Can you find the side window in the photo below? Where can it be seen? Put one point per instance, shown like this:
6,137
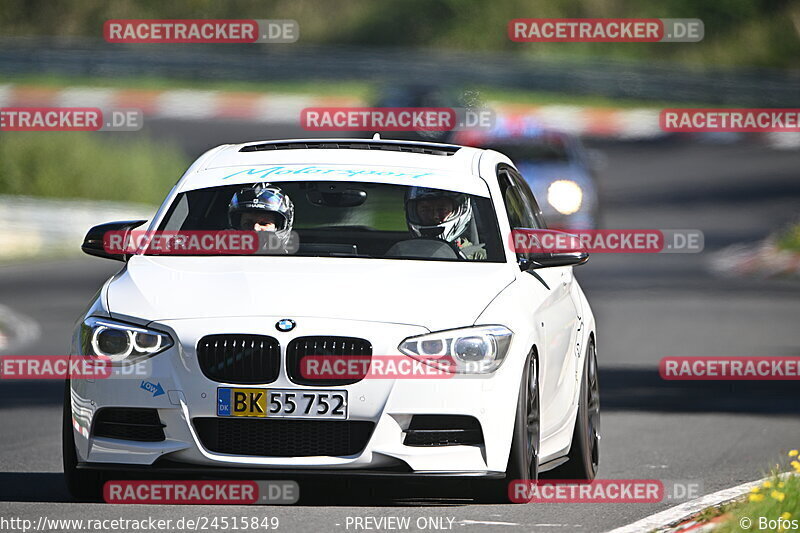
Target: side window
518,205
527,195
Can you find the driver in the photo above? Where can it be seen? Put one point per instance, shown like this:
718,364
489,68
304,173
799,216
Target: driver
445,215
263,207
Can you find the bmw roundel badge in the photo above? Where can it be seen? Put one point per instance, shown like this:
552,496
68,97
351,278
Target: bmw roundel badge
286,324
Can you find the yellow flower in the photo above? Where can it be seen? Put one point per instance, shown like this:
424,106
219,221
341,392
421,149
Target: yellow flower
767,484
781,485
777,495
756,497
794,453
796,465
754,490
786,515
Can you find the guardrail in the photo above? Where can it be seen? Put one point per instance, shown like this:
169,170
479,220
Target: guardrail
31,227
613,79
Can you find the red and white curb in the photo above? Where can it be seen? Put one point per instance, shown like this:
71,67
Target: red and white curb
189,104
677,519
599,122
762,260
276,108
175,104
635,124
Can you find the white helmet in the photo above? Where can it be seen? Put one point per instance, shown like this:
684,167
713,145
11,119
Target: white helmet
450,228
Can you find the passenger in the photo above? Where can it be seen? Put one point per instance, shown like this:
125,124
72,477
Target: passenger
445,215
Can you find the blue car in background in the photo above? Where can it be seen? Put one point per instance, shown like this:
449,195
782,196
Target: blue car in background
555,164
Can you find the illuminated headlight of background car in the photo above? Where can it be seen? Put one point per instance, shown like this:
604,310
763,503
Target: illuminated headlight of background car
475,350
121,343
565,196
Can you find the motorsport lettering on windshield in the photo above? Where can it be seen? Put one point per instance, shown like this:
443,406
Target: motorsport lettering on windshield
349,172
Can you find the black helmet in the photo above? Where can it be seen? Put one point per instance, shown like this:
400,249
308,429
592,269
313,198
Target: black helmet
260,198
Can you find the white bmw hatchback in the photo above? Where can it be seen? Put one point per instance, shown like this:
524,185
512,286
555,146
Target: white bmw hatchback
386,251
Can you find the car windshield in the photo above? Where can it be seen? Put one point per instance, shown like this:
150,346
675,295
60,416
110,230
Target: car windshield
540,149
348,219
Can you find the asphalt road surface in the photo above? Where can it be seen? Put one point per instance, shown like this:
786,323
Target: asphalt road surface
647,307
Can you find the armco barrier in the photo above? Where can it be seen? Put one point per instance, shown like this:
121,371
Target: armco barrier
25,231
612,79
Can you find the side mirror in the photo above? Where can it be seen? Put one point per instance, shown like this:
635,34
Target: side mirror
542,248
94,242
556,259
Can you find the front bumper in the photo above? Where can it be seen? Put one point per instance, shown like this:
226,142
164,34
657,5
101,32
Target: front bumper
175,470
388,403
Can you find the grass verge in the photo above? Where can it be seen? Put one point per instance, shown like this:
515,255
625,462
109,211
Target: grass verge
770,507
789,239
85,165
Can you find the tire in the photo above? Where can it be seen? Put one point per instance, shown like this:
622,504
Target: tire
584,453
523,459
83,485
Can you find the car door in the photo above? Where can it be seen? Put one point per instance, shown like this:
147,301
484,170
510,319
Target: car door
558,310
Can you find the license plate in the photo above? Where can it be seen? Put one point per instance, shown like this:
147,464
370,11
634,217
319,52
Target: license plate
282,403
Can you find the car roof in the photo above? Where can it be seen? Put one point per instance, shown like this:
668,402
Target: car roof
242,163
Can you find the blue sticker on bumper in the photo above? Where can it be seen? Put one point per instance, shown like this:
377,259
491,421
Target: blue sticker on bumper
223,402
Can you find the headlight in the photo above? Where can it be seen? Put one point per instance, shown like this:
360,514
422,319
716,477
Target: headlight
122,343
565,196
476,350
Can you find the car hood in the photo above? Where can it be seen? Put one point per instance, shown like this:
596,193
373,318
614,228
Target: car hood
436,295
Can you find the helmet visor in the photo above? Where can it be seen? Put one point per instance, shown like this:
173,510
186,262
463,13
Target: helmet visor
261,219
432,210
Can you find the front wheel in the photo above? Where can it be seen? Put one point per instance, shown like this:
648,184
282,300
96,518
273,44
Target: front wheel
523,460
584,453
